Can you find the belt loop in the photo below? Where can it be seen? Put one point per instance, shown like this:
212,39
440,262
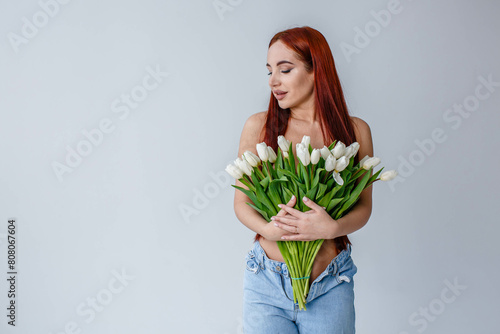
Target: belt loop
262,260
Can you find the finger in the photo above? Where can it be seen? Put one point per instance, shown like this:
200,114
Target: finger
285,227
290,203
282,213
292,221
310,203
297,237
292,211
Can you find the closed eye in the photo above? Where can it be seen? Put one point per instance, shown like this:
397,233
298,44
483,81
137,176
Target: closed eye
287,71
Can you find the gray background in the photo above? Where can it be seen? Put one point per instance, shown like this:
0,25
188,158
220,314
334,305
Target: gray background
152,200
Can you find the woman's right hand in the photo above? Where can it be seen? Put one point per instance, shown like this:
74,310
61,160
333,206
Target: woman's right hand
274,233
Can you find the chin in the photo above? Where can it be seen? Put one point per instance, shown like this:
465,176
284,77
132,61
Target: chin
283,105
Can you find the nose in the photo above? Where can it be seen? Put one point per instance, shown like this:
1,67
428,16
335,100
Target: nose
273,80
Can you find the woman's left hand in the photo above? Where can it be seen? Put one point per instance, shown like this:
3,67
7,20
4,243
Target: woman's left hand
307,226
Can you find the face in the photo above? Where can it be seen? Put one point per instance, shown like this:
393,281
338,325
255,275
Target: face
291,84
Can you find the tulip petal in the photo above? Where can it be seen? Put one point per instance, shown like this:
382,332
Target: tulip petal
337,177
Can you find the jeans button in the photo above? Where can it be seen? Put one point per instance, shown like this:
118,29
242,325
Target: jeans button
278,268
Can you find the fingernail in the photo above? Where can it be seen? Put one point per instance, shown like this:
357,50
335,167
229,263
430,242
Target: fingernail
293,197
275,224
305,199
272,218
283,238
280,205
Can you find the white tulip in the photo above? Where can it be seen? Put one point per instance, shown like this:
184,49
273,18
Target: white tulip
363,160
272,154
349,152
325,152
355,146
330,163
389,175
252,159
285,154
262,151
283,143
244,166
315,155
303,154
234,171
371,162
337,178
338,150
341,164
306,140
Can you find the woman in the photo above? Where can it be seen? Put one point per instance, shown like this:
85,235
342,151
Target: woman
306,99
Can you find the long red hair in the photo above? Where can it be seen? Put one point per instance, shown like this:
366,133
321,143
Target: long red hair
312,48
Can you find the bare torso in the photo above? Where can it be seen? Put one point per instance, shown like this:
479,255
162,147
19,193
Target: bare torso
328,251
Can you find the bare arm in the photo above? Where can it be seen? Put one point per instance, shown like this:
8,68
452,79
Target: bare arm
361,212
250,137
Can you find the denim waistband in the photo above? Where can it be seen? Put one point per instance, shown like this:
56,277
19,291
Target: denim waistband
279,267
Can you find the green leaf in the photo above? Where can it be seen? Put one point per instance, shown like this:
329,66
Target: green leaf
321,190
312,193
316,177
302,206
258,173
265,183
301,186
287,194
305,175
351,163
354,195
333,203
247,192
374,176
274,194
279,159
331,182
339,206
346,175
359,172
262,197
291,158
264,169
293,176
262,212
325,200
272,169
280,180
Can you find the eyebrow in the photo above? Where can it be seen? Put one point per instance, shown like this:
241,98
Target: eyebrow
281,62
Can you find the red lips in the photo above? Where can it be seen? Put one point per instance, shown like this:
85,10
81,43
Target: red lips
279,94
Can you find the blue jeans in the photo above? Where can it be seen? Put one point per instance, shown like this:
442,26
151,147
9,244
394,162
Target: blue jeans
268,305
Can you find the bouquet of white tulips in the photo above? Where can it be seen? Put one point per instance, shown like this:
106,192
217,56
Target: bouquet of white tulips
327,176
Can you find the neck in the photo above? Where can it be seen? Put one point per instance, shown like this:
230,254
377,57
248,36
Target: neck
308,116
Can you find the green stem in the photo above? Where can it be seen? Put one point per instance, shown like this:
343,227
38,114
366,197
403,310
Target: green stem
269,170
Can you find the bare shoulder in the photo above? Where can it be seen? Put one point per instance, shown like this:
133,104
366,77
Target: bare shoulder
363,136
252,132
256,120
